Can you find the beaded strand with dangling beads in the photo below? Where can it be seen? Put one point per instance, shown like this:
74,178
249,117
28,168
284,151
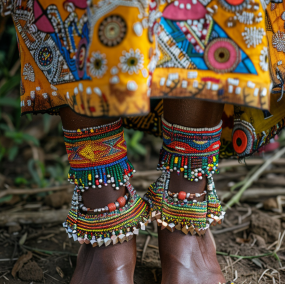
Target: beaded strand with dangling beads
194,152
98,156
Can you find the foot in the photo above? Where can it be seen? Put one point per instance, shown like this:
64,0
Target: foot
188,259
114,264
185,258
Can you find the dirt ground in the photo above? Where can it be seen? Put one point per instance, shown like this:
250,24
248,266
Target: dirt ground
249,241
54,254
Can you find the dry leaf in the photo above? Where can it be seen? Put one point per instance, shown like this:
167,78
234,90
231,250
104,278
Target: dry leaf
241,240
20,262
23,239
59,271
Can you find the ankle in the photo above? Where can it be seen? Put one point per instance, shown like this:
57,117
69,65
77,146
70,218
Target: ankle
100,197
178,183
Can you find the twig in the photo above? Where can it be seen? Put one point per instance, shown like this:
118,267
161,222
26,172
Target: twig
49,251
245,256
147,232
251,162
145,247
154,247
247,177
30,191
235,199
241,226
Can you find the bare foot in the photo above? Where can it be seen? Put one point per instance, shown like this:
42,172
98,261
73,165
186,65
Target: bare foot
186,258
114,264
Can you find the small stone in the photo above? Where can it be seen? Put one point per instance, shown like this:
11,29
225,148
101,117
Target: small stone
31,272
14,228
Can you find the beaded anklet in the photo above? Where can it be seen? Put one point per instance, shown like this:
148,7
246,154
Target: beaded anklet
188,216
121,202
98,156
182,195
109,227
192,151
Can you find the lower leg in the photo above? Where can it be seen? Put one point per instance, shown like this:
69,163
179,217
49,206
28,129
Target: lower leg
189,259
111,264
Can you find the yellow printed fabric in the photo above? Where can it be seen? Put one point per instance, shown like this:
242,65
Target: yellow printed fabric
93,56
213,50
122,57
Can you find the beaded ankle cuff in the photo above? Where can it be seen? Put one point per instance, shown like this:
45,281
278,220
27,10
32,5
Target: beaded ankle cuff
192,151
110,227
98,156
188,216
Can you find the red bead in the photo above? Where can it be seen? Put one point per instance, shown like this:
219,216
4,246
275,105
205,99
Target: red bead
182,195
122,201
199,174
97,182
112,207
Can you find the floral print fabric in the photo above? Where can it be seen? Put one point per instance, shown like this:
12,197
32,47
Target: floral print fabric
106,58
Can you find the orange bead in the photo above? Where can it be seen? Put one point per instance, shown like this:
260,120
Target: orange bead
112,207
182,195
122,201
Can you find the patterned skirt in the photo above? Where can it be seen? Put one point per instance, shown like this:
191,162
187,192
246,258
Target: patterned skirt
115,58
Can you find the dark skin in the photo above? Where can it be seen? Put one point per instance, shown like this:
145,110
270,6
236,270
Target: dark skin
189,259
105,265
184,259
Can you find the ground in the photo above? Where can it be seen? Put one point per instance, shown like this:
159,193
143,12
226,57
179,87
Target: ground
30,225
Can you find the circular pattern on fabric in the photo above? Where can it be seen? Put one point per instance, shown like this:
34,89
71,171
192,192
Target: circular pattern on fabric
45,57
222,55
112,30
234,5
98,64
239,141
243,138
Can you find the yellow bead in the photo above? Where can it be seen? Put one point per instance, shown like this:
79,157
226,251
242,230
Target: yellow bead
176,160
78,130
91,130
214,159
89,177
182,169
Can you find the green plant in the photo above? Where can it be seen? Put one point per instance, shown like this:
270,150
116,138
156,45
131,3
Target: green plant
133,140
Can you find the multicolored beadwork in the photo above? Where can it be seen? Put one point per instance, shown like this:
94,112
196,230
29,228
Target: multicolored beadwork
192,151
186,215
98,156
112,227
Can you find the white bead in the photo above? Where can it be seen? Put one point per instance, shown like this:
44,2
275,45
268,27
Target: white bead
138,29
